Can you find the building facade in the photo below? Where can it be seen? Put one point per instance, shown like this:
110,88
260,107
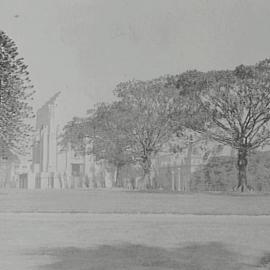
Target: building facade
44,161
56,168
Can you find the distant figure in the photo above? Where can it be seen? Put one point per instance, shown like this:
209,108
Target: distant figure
132,183
59,176
51,180
86,181
65,180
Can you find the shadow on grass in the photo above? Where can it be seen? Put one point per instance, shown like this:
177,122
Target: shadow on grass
212,256
265,260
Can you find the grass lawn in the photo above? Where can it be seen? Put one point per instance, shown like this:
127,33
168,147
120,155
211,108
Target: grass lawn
212,256
120,241
106,201
114,230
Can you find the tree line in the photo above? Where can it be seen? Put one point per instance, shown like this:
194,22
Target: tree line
230,107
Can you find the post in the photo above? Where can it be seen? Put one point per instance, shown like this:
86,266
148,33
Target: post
173,180
183,176
179,179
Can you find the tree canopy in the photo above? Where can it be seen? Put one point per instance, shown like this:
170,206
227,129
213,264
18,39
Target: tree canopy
231,107
15,94
237,104
135,127
148,108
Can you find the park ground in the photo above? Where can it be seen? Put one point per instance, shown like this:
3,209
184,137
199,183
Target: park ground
102,229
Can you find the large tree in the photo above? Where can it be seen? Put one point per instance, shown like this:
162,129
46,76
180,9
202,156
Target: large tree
15,93
237,105
98,134
134,128
108,142
147,108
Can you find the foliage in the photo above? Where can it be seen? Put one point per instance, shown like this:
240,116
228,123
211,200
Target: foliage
148,108
259,170
220,173
230,107
99,135
109,142
237,105
133,128
238,102
190,85
74,134
14,97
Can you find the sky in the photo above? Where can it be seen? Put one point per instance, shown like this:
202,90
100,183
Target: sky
84,48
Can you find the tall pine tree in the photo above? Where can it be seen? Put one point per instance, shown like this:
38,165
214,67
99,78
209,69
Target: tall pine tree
15,94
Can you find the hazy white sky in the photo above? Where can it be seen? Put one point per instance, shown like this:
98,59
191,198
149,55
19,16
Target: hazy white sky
83,48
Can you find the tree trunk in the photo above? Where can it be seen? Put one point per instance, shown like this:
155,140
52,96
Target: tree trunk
188,162
242,170
147,166
173,180
116,176
146,178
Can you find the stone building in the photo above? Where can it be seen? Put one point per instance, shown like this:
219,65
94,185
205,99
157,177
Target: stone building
54,167
44,162
8,164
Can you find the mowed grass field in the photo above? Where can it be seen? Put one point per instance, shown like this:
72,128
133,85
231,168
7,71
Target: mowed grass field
103,229
115,201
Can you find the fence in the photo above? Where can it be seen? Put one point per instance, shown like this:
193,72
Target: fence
213,177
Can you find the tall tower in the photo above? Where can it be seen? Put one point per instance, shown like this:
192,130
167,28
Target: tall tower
45,145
